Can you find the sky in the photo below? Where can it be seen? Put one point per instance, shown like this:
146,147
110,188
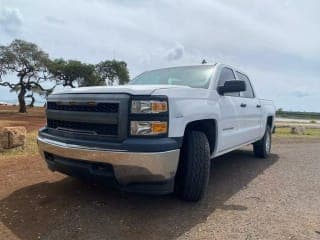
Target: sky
277,43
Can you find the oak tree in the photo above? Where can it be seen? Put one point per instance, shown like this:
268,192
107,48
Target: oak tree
30,65
113,71
74,73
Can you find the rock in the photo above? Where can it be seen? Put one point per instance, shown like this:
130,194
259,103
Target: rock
11,137
299,130
17,136
4,140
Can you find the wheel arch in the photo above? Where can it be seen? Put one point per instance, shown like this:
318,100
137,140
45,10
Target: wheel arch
270,123
208,127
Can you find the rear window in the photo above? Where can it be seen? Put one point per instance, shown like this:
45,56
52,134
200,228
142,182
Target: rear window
249,91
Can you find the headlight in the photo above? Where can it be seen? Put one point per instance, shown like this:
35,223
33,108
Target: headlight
148,127
149,106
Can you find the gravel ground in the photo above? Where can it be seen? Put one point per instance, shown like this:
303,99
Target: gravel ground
248,198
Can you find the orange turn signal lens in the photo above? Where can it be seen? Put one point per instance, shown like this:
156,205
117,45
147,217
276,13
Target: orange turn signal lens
159,127
158,107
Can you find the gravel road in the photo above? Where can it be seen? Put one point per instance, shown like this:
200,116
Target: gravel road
248,198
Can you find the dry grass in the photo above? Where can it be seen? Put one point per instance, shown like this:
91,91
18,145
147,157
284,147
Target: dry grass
286,132
32,120
9,123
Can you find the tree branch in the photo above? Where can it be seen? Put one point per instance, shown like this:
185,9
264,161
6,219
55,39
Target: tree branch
10,85
40,87
37,85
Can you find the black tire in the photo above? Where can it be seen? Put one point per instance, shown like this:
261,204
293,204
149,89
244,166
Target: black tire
194,167
261,148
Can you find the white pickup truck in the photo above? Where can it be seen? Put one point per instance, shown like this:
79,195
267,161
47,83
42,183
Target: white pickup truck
159,133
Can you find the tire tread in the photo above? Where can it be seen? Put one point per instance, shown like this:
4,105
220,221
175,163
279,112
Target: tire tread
195,167
259,147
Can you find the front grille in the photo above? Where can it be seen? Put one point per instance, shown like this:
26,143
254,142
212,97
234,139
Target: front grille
85,107
102,129
88,116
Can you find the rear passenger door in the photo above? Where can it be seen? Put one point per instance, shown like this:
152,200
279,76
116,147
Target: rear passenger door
250,111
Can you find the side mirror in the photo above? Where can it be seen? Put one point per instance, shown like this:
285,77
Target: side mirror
232,86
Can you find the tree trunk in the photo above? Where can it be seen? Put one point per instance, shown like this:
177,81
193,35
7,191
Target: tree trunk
22,102
32,101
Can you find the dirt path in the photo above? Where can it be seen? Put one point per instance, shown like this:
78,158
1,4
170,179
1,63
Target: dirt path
248,198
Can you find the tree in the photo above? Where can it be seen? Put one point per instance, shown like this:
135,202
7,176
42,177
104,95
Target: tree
74,73
279,110
111,71
90,77
29,63
32,99
34,90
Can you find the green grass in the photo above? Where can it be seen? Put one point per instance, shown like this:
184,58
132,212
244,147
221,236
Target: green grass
29,149
286,132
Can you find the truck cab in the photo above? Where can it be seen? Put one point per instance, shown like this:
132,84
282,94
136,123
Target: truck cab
159,133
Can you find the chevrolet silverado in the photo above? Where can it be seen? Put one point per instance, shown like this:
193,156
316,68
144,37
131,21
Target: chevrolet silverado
159,133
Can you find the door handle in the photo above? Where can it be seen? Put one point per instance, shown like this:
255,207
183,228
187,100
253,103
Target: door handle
243,105
258,106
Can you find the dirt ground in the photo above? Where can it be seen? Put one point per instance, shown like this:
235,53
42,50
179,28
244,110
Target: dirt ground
32,120
248,198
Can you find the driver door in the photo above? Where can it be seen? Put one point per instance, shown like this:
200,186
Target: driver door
229,104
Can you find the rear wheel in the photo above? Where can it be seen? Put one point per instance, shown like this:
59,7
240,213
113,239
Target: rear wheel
262,147
194,167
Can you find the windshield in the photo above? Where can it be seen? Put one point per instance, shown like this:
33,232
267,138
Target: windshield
195,77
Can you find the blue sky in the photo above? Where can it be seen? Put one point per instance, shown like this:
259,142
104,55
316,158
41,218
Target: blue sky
276,42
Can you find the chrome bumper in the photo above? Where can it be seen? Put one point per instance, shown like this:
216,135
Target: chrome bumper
128,166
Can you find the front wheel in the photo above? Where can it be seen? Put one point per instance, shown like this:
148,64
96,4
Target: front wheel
194,167
262,147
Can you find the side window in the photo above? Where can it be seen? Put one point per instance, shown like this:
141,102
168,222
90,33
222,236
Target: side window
227,74
249,91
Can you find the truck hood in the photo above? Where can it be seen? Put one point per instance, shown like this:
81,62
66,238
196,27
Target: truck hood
130,89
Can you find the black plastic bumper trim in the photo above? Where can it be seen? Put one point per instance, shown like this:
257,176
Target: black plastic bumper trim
130,144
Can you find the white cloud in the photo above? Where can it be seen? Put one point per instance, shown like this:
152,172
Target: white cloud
175,53
276,42
300,93
11,20
54,20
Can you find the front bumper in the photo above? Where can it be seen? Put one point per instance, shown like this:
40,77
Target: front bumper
128,167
